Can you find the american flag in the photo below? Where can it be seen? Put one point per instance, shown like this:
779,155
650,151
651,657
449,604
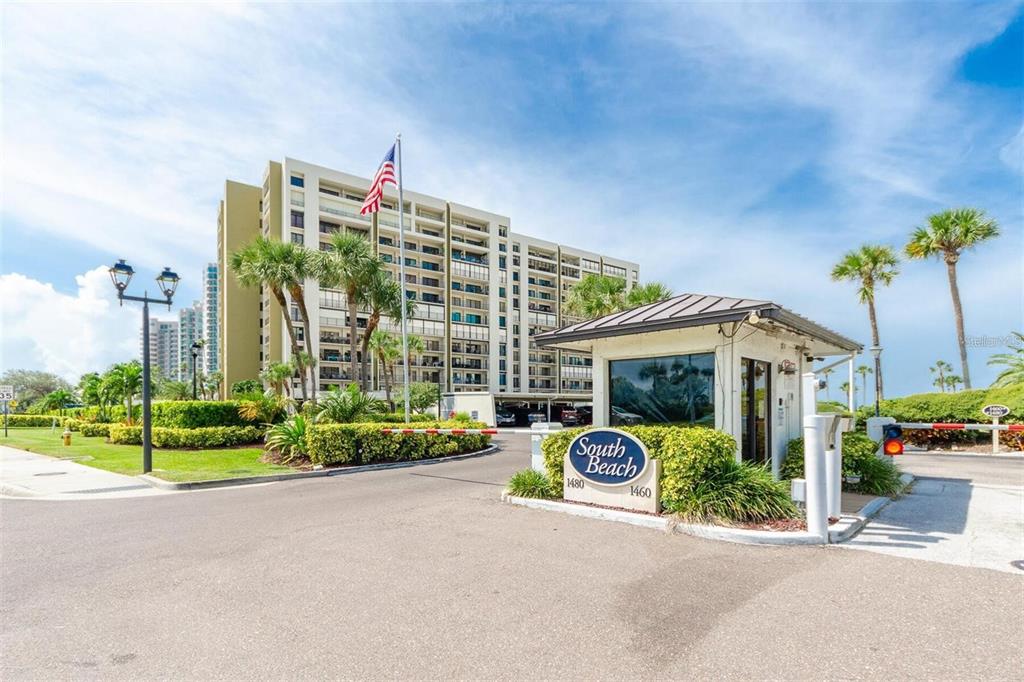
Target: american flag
385,174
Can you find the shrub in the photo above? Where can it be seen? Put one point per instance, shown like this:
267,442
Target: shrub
206,437
246,386
732,491
396,418
530,483
31,420
877,476
347,406
288,438
196,414
95,429
332,444
261,408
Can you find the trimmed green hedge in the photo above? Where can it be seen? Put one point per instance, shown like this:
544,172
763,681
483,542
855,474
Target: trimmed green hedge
197,414
189,439
878,476
19,420
962,406
700,478
336,444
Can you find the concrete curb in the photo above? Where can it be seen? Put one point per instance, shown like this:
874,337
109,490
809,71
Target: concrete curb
321,473
851,524
739,535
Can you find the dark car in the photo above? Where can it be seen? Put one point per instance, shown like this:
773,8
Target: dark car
585,415
504,418
570,417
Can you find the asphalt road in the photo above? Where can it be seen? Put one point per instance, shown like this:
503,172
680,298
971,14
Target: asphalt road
424,573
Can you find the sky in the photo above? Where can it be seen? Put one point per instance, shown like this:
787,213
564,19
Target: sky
728,149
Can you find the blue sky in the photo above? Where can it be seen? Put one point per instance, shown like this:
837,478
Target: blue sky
730,149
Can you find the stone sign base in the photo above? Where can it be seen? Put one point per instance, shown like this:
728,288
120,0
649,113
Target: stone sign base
643,494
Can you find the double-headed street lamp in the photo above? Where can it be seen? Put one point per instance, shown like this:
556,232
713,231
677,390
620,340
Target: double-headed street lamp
876,352
121,274
196,347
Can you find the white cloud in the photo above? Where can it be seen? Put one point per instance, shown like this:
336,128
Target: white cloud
65,334
1012,153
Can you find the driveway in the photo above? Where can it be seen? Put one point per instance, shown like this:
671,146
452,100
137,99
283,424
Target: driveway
966,510
424,573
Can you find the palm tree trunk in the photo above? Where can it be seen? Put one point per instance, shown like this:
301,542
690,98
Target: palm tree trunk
875,341
353,330
371,324
387,385
958,313
283,302
300,299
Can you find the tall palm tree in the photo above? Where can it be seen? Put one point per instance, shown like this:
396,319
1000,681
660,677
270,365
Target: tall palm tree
349,265
863,371
1012,362
651,292
598,295
947,235
127,377
870,266
386,349
383,296
828,385
941,368
280,267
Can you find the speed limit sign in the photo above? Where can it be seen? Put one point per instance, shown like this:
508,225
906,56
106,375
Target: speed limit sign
6,393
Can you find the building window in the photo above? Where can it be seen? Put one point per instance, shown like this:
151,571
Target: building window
298,181
298,219
659,390
297,238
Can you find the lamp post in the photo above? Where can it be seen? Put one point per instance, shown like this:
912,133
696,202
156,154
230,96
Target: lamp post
195,353
121,274
876,353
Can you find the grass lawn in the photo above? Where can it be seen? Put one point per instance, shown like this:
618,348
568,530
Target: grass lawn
170,465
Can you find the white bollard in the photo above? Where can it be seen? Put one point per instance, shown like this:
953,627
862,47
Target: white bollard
815,428
536,454
833,479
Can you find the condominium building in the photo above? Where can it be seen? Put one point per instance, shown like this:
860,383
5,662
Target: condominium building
481,290
210,354
163,347
189,331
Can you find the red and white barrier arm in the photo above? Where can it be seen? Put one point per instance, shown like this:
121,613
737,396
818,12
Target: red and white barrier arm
939,426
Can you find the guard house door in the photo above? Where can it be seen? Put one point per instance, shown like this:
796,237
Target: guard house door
755,400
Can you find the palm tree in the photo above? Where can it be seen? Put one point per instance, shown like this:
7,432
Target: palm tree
1013,363
825,373
844,388
941,368
864,371
57,400
349,265
387,349
953,380
651,292
212,384
280,267
947,235
278,375
90,387
383,296
870,266
598,295
127,377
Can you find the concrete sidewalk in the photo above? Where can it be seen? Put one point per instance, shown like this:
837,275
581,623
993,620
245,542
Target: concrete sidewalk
28,475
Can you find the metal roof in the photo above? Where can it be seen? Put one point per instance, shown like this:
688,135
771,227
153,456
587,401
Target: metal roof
691,310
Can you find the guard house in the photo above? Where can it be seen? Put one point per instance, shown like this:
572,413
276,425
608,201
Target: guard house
733,364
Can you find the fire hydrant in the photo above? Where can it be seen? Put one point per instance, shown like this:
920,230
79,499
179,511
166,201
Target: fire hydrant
67,436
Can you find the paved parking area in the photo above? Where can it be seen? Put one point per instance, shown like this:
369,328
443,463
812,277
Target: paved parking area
963,510
424,573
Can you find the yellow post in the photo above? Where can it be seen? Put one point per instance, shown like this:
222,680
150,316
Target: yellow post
67,436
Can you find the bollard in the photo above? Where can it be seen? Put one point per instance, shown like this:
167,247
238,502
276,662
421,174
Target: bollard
815,428
67,436
833,479
536,454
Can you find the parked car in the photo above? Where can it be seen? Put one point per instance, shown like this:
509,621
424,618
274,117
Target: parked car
534,417
585,415
504,418
624,418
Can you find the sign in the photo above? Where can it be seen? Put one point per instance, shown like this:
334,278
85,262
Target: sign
610,467
995,411
6,392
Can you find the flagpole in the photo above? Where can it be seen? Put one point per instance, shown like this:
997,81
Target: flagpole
401,270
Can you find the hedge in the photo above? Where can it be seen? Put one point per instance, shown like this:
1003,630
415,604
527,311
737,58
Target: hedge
206,437
878,475
694,460
197,414
959,407
336,444
31,420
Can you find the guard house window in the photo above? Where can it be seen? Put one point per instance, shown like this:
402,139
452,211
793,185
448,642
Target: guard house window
662,390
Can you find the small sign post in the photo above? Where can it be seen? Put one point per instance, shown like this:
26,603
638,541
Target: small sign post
6,395
995,412
612,468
